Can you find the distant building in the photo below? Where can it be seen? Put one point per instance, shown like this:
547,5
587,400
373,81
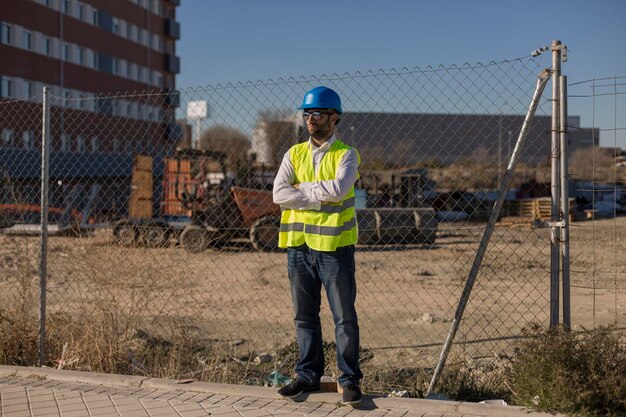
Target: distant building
81,51
272,138
406,139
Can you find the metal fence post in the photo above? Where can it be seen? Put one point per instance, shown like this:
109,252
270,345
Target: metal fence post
543,78
564,202
554,187
43,265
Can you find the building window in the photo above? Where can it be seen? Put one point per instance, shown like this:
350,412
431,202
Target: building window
80,11
116,25
6,33
94,17
65,6
28,140
28,89
81,55
47,46
132,71
7,87
94,144
131,32
83,102
95,61
67,96
80,144
122,68
65,143
154,6
122,29
27,40
7,138
66,52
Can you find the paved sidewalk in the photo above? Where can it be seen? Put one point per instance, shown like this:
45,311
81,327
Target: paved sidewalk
46,392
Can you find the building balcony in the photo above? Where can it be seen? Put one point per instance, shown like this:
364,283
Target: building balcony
172,28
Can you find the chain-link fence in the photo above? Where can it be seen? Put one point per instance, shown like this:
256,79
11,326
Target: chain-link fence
598,177
162,226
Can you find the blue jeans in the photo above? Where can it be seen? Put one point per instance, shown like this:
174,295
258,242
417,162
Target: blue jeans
308,271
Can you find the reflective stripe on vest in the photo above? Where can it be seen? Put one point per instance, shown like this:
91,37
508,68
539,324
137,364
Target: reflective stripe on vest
347,203
334,224
318,230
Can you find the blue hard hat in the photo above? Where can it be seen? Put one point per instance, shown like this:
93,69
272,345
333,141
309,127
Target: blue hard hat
321,98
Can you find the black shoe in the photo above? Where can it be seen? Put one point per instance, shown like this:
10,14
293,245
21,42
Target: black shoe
351,394
296,387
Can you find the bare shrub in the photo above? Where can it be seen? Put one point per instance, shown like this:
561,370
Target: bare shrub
558,370
234,143
592,163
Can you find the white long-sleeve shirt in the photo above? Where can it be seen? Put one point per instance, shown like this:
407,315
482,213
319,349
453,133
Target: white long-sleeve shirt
312,195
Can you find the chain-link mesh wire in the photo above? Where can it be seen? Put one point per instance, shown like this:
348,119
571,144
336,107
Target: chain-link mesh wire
172,229
597,178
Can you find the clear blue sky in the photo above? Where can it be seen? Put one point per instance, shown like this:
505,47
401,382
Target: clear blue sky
240,40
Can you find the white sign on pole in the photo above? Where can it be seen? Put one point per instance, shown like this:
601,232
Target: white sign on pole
197,110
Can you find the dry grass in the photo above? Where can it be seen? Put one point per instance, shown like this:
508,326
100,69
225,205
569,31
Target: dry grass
166,313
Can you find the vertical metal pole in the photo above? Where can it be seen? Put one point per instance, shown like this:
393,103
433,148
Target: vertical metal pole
554,181
499,147
62,72
493,217
43,264
567,322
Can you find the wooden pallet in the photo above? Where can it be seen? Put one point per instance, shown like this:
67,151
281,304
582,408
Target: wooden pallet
533,208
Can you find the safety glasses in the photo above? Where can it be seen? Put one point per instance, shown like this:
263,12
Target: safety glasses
315,114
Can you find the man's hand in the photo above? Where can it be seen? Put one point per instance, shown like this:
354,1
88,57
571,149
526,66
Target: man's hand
296,186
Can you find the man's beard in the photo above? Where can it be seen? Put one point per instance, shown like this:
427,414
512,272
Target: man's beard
320,131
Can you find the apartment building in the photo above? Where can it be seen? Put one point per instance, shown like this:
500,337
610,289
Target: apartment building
110,67
82,50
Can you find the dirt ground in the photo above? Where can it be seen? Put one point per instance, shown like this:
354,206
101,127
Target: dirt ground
407,295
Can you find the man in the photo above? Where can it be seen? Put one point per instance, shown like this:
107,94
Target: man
315,189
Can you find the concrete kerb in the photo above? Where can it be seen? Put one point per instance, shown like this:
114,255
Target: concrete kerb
370,402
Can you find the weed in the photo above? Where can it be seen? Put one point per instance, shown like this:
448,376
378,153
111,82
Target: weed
575,373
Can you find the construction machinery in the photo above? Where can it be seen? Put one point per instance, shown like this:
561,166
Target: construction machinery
201,206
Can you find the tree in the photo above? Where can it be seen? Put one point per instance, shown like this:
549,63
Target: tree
232,142
592,163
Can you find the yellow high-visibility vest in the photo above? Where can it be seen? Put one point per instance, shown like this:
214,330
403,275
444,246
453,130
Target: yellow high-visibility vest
334,225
